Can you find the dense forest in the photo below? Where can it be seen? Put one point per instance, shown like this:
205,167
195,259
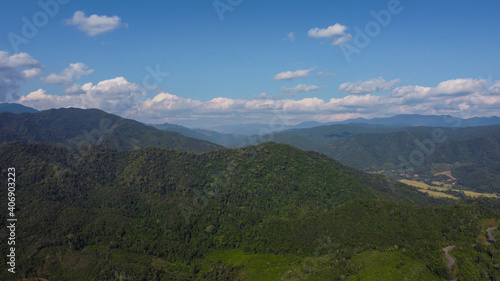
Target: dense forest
267,212
78,127
470,153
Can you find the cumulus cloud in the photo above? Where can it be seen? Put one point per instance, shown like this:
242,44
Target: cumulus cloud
495,89
299,89
289,75
291,36
369,86
15,69
266,96
94,24
336,33
461,86
479,101
74,70
114,95
459,97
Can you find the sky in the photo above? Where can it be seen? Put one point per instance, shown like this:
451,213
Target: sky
218,62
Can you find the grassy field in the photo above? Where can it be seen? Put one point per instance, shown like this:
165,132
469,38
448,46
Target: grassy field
373,265
438,194
386,266
447,173
258,266
438,191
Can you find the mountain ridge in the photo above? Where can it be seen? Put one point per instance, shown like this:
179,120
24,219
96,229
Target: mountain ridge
76,127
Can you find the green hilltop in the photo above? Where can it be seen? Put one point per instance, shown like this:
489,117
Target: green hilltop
267,212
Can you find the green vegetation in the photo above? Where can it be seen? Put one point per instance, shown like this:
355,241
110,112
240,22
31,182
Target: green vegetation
77,127
471,154
391,265
445,190
272,210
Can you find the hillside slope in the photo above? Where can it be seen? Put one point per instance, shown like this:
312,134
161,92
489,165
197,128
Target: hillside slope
153,214
76,127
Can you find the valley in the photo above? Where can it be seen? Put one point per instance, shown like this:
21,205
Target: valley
134,202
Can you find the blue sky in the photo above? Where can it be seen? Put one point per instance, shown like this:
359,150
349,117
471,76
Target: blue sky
205,63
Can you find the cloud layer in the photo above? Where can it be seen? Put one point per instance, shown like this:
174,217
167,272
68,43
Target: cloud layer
459,97
464,97
114,95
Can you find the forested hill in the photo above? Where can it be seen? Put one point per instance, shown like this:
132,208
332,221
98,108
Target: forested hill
96,213
76,127
16,108
471,154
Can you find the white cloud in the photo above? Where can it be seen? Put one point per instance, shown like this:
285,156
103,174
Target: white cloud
17,60
291,36
460,97
369,86
94,24
31,73
336,33
460,86
266,96
74,70
327,74
41,100
114,95
288,75
15,69
299,89
495,89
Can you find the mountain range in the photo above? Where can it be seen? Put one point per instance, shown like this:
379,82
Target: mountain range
402,120
100,197
76,127
16,108
266,212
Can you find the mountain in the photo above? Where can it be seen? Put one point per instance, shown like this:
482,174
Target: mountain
467,152
242,129
16,108
472,154
266,212
313,135
416,120
76,127
227,140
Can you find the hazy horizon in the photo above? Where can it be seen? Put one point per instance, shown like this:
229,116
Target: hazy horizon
218,62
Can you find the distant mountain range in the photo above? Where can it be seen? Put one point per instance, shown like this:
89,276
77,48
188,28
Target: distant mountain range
471,152
16,108
258,213
402,120
100,197
227,140
76,127
415,120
